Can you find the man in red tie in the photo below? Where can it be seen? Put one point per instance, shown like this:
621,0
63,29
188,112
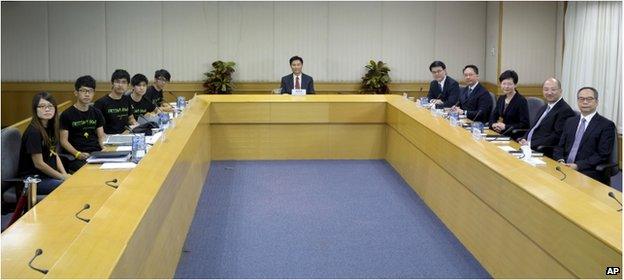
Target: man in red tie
297,80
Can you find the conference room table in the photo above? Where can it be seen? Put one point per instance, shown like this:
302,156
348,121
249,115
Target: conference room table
518,220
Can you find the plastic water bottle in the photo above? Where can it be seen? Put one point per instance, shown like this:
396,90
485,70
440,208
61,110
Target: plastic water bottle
477,129
180,103
454,118
138,147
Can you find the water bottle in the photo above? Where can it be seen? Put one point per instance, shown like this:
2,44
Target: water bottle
180,103
138,147
477,129
454,118
163,119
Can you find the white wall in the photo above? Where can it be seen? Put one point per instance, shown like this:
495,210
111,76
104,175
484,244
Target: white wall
529,40
490,74
57,41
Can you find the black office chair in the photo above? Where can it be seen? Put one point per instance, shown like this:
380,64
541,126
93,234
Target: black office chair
493,96
549,149
10,139
611,168
534,104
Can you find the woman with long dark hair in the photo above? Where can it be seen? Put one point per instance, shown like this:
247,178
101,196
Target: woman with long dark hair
38,153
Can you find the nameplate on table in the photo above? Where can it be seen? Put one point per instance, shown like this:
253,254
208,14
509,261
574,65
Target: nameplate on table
298,92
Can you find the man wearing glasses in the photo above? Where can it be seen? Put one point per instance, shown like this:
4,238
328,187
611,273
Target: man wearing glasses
115,106
587,140
81,126
155,91
547,130
443,90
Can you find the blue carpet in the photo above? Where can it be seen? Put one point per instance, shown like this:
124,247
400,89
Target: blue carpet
317,219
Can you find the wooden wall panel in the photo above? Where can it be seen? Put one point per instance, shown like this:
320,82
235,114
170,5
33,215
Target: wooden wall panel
470,219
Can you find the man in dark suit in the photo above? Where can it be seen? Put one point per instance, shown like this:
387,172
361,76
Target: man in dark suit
547,129
297,80
587,140
474,100
443,90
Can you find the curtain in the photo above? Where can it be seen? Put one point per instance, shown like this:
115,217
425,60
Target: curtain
592,55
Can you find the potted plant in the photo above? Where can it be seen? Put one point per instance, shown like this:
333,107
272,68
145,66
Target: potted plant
376,78
219,80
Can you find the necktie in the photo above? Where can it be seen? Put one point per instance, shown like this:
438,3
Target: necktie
441,87
538,123
297,85
577,141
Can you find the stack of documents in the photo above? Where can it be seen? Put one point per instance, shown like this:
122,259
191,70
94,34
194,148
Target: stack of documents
102,157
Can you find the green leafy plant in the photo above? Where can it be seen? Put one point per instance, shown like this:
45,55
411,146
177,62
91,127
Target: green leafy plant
376,78
219,80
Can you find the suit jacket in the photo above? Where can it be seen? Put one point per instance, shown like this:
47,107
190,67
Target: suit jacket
515,116
595,148
288,83
478,104
549,131
449,95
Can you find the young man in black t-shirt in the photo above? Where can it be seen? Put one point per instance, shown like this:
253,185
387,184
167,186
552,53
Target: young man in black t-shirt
141,105
116,107
155,91
82,129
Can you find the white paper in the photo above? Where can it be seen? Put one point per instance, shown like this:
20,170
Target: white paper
298,92
152,139
506,148
534,161
499,142
118,165
124,148
103,160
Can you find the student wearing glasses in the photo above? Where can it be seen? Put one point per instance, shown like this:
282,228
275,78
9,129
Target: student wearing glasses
38,152
82,126
155,91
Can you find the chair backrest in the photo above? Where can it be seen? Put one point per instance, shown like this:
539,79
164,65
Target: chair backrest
534,104
614,153
10,139
493,103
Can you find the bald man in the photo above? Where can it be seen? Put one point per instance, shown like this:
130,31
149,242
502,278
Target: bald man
548,126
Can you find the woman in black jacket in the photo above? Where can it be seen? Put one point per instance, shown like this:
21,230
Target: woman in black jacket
512,110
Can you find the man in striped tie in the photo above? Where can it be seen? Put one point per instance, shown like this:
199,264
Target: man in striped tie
587,140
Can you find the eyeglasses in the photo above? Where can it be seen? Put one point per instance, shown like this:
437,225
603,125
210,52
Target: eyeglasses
122,82
437,71
86,90
51,107
588,99
162,80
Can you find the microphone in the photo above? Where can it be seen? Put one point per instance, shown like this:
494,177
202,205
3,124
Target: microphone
38,252
85,207
612,195
112,183
507,130
558,168
476,115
